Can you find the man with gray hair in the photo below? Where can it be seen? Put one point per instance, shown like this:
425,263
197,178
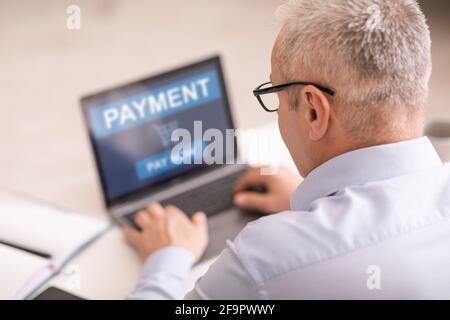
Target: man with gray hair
370,220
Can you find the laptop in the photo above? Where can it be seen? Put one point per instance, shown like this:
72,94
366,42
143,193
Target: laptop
131,130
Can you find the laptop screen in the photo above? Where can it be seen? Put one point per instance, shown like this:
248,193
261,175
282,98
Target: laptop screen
135,129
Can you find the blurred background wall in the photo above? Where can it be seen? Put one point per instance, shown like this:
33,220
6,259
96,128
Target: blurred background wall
45,68
438,15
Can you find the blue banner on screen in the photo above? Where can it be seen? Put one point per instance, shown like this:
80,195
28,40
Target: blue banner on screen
131,126
154,104
167,160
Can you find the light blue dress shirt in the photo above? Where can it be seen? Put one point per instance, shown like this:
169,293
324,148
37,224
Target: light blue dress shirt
369,224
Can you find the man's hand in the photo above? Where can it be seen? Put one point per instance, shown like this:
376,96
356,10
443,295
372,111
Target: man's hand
164,227
279,189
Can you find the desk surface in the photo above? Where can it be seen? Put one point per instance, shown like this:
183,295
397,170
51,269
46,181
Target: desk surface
110,269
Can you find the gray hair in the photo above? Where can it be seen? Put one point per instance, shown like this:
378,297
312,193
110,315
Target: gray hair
375,53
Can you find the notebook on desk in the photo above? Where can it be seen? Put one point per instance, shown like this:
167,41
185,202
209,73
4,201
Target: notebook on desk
36,240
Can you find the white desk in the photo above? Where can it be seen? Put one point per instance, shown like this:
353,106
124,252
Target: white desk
110,269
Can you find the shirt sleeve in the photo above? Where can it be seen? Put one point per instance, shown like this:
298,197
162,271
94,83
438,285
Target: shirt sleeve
226,279
166,272
164,275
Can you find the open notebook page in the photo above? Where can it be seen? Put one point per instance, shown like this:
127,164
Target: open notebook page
37,226
16,267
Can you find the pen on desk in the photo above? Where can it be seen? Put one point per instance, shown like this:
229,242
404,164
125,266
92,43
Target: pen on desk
32,251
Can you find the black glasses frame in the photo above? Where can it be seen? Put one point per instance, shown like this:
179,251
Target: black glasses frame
274,89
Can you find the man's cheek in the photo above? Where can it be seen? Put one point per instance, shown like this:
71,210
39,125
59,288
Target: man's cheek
287,136
282,127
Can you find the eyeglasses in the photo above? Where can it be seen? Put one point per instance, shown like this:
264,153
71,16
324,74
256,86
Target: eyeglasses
268,97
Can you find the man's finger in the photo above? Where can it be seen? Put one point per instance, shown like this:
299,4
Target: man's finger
143,220
199,219
155,210
131,236
250,178
175,213
251,201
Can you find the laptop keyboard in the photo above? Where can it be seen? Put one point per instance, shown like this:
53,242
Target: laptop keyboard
210,198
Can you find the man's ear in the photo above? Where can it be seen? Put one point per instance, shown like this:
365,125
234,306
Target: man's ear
317,112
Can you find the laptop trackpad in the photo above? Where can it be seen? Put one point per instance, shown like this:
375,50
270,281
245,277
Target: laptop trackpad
225,226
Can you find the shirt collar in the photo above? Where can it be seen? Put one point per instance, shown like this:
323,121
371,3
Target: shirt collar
364,165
